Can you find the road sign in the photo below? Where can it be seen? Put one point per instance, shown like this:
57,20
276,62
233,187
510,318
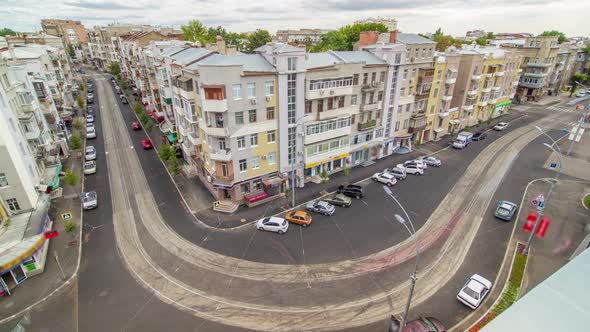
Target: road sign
216,204
553,165
541,197
541,204
535,202
67,216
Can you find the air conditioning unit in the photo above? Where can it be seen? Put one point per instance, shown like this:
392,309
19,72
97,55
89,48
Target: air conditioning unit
268,98
322,92
300,153
331,92
373,84
300,133
253,101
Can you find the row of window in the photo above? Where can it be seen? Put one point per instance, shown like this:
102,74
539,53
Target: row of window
271,137
329,125
269,90
253,116
326,147
271,158
330,83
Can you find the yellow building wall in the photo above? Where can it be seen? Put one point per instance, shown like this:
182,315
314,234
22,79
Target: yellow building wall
434,100
262,151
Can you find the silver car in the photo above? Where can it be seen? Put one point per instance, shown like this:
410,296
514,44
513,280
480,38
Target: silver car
399,173
322,207
90,153
89,200
431,161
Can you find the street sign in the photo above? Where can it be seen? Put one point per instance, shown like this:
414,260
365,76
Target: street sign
535,202
553,165
216,204
66,216
541,204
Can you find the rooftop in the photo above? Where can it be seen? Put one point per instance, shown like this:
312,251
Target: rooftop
324,59
412,38
249,62
189,54
278,48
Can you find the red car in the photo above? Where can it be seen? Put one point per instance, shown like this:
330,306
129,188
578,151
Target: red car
147,144
135,125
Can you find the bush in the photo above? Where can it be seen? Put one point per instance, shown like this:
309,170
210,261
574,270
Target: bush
148,126
166,152
174,166
78,125
80,102
137,108
71,177
346,171
587,201
75,142
70,226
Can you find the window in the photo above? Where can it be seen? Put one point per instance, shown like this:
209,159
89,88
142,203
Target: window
241,142
353,100
221,144
406,123
438,74
292,63
405,74
224,169
13,204
236,91
330,83
365,78
252,116
431,109
307,106
378,114
363,98
254,140
239,118
402,91
3,180
435,92
330,104
382,76
373,77
352,118
355,79
243,165
257,185
245,187
397,125
270,113
251,90
398,58
271,136
320,105
5,82
340,101
272,158
255,163
380,96
269,88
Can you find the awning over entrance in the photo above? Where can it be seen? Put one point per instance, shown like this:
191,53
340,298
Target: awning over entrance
172,137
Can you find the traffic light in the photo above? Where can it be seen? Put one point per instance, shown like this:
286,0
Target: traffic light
529,224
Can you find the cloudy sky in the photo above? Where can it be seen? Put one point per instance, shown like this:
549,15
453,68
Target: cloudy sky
455,17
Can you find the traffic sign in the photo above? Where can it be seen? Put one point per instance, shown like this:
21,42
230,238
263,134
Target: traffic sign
67,216
216,204
535,202
553,165
541,204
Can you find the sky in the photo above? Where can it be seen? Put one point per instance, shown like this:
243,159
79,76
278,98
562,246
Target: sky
420,16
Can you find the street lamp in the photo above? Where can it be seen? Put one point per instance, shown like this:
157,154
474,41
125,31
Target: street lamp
407,223
557,150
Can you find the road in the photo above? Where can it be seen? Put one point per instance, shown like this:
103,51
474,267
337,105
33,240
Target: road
337,271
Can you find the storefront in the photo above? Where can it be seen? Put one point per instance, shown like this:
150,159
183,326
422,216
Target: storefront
501,108
329,165
403,144
365,153
23,247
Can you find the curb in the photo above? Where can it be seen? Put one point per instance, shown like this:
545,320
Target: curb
584,204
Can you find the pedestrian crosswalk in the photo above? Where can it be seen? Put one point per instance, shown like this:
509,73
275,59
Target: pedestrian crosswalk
520,108
562,108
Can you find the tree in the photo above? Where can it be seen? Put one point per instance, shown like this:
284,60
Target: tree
80,102
7,32
71,177
114,69
78,125
490,35
483,40
218,31
581,78
196,31
174,166
344,38
258,38
70,50
561,36
137,108
445,41
166,152
75,143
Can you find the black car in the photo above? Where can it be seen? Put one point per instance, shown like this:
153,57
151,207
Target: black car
351,190
479,136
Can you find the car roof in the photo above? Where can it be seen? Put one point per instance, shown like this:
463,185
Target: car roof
475,285
299,213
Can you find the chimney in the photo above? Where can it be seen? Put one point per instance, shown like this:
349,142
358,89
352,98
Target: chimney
393,36
220,44
368,38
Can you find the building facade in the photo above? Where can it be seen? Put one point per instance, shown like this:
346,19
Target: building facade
301,36
71,32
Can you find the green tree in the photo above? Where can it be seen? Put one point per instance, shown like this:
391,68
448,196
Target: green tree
491,35
174,166
78,125
7,32
196,31
238,39
344,38
217,31
71,177
148,126
483,40
581,78
70,226
75,142
561,36
258,38
80,102
166,152
114,69
138,108
70,50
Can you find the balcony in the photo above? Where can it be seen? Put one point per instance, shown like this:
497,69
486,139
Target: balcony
532,85
446,98
451,80
472,93
193,137
215,105
535,75
483,103
329,92
370,107
468,108
191,118
188,150
538,65
417,123
486,90
213,130
499,73
33,134
454,109
366,125
221,155
493,101
476,77
443,115
329,134
372,86
338,112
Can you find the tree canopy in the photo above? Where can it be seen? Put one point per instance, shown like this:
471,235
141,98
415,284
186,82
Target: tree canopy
195,30
7,32
561,36
258,38
445,41
344,38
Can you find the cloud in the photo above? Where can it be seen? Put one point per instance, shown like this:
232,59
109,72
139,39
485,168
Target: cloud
101,5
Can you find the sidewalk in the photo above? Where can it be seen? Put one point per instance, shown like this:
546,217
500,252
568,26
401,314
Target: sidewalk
551,100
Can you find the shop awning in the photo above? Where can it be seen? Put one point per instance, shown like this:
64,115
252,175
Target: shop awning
11,256
172,137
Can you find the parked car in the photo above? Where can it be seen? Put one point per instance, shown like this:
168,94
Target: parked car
462,140
501,126
117,88
89,125
89,200
90,118
399,173
417,162
385,178
480,135
272,224
82,71
505,210
90,132
581,94
135,125
351,190
89,110
147,144
474,291
90,153
90,167
89,96
338,199
411,169
90,100
322,207
299,217
432,161
68,120
123,99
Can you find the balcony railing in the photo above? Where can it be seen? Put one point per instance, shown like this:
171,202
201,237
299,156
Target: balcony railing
372,86
417,123
222,155
367,125
476,77
215,105
370,107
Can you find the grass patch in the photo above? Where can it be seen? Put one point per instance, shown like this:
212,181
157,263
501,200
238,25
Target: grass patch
509,294
587,201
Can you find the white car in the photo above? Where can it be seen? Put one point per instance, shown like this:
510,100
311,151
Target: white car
89,118
474,291
272,224
581,94
90,167
385,178
420,163
411,169
89,96
399,173
90,153
89,200
501,126
432,161
90,132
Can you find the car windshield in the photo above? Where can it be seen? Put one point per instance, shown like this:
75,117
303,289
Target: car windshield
89,165
503,211
471,293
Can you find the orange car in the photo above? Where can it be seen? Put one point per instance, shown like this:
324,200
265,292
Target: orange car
299,217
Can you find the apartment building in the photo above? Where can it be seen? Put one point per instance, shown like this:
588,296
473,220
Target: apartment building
301,36
71,32
389,22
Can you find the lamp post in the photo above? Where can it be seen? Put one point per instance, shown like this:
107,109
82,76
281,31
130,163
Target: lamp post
407,223
540,210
